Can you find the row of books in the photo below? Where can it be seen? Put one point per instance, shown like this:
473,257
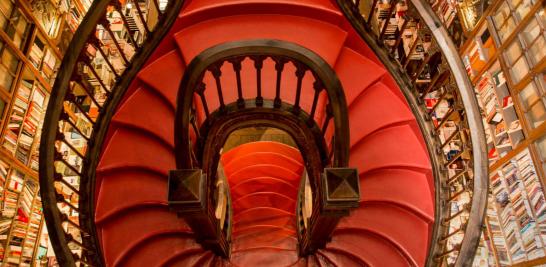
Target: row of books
44,60
25,120
20,217
446,11
519,206
19,109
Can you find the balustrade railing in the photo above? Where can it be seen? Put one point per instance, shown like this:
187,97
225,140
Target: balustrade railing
305,99
114,40
410,40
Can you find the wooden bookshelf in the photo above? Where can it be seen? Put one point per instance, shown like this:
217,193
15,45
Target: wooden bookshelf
508,75
33,52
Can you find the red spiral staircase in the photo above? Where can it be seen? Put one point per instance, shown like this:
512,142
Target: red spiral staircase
133,224
132,217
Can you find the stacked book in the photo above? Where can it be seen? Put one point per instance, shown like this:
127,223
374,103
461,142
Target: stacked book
20,106
496,232
36,53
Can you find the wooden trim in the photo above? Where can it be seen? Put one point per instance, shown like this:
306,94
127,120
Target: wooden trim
11,160
535,156
28,13
524,144
492,243
502,48
25,60
479,24
531,263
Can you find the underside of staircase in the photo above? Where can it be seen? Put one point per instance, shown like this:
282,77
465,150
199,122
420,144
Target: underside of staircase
391,227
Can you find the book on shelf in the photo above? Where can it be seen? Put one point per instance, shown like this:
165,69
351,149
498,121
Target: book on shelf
36,53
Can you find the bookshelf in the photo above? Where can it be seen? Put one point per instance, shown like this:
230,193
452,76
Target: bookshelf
25,121
21,217
33,37
504,58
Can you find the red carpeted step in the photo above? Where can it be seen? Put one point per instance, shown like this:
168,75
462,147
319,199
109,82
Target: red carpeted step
187,257
167,244
121,234
262,184
146,151
262,146
265,216
264,236
263,199
206,259
339,257
402,187
392,223
130,189
379,108
196,38
164,75
349,65
261,170
397,147
264,256
263,206
370,248
155,119
260,157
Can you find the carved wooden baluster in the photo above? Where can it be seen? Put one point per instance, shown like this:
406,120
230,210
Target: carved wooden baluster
329,116
60,158
388,19
338,192
105,23
93,40
200,90
59,178
406,60
451,137
70,238
190,195
156,4
401,34
193,121
70,97
86,60
372,10
61,138
77,79
279,67
141,15
318,87
216,73
117,6
300,73
65,218
64,117
442,97
429,58
236,62
258,65
437,81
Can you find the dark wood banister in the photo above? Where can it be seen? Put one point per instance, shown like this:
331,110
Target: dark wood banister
264,112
